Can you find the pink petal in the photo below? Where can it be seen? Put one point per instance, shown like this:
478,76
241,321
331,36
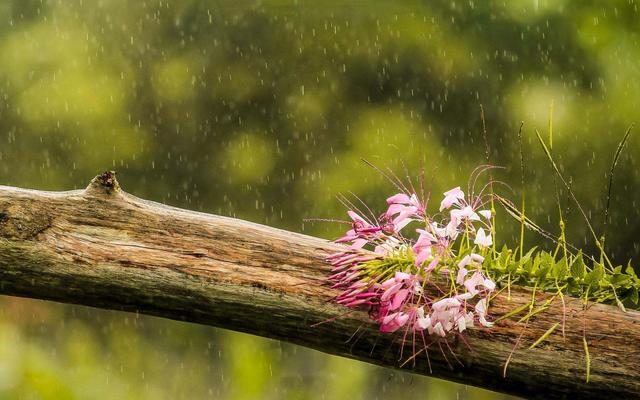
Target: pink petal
390,317
432,264
401,319
401,224
475,280
423,256
461,323
391,291
451,197
394,209
455,192
358,244
405,213
388,283
399,298
401,276
355,217
399,198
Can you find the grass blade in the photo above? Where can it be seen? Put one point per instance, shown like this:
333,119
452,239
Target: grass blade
544,336
611,171
588,358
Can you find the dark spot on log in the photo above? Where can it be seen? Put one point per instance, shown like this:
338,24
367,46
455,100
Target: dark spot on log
126,263
26,222
259,285
80,260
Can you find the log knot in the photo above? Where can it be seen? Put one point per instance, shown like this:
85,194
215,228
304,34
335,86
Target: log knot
106,182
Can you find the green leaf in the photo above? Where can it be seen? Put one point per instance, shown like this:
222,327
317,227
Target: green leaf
559,270
631,272
595,276
546,262
527,255
512,267
633,297
504,256
578,269
618,280
527,267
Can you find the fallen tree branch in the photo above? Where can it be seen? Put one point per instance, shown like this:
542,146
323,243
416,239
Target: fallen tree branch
104,248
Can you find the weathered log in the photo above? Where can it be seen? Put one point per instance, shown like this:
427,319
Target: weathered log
102,247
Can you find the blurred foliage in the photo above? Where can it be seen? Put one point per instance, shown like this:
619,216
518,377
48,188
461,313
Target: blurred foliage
263,110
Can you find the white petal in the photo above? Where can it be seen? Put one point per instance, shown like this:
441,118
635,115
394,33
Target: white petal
482,239
423,323
488,283
462,272
485,213
464,296
462,325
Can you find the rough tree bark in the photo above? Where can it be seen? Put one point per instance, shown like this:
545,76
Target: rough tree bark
104,248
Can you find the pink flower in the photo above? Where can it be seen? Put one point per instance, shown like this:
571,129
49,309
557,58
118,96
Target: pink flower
403,209
471,259
423,247
423,255
445,312
464,213
401,201
482,239
360,233
422,322
405,299
451,230
445,304
432,245
464,321
451,197
397,291
393,322
477,279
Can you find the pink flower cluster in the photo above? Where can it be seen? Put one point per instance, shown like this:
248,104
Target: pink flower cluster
393,276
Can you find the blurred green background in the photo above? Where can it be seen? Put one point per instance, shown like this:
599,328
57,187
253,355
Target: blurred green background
262,111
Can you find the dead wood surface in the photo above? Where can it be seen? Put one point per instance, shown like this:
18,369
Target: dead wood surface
104,248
